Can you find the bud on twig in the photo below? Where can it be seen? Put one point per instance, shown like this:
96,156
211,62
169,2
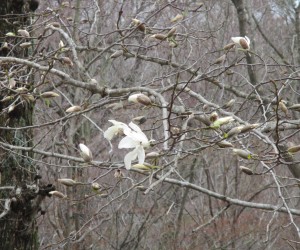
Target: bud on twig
213,116
117,53
159,36
246,170
177,18
295,107
57,194
140,98
49,94
66,61
140,119
232,132
220,60
73,109
25,45
248,127
224,144
294,149
67,182
242,153
86,153
171,32
229,104
229,46
139,24
23,33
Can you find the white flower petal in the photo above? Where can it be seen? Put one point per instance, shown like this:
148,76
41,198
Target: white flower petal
114,122
248,40
141,154
115,129
130,157
236,39
135,127
133,98
128,142
111,132
139,137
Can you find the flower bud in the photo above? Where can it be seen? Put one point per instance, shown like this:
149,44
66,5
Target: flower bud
25,45
96,186
21,90
232,132
23,33
294,149
295,107
27,97
73,109
117,54
171,32
248,127
12,83
152,155
220,60
141,188
159,36
140,119
140,98
61,44
246,170
7,98
10,34
86,153
177,18
229,104
283,107
67,182
55,24
66,61
49,94
213,116
140,25
229,46
224,144
222,121
242,153
57,194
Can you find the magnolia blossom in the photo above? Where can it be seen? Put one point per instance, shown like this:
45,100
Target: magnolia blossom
135,138
244,42
117,128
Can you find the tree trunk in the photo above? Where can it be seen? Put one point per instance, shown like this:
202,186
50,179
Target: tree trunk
20,193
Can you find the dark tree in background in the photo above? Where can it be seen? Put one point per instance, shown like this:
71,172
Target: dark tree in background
18,229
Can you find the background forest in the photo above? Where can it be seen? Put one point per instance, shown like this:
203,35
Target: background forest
216,119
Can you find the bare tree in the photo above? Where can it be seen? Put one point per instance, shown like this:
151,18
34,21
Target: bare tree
150,125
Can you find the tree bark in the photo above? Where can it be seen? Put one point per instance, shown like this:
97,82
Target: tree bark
18,228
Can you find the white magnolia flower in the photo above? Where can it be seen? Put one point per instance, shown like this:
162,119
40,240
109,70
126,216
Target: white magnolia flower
244,42
135,138
118,127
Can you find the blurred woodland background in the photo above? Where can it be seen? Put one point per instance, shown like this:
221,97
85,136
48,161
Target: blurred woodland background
68,67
